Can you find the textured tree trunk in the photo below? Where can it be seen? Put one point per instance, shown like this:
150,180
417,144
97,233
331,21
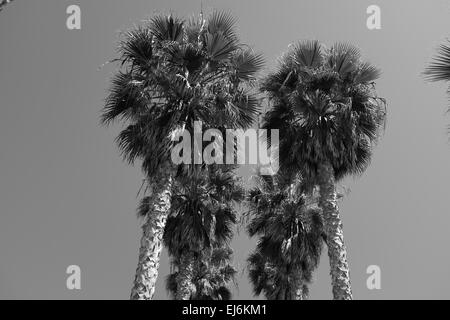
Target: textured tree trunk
151,241
298,293
300,290
337,253
185,287
305,292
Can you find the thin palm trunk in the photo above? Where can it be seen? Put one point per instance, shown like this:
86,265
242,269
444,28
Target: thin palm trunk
185,286
337,253
151,241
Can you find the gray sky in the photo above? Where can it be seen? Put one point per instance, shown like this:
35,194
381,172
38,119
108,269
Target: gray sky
67,198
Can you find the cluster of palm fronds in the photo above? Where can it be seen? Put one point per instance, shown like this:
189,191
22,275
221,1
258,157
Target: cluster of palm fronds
198,230
439,69
212,275
290,230
174,73
326,108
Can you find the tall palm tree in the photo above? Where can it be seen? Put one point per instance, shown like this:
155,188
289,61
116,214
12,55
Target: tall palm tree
439,69
290,228
173,73
329,116
201,220
213,275
3,3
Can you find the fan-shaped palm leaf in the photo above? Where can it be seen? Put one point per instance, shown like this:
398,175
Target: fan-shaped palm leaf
307,54
166,28
344,58
247,64
439,69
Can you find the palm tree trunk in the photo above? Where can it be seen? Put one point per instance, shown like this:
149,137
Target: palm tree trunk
185,287
151,241
298,293
337,253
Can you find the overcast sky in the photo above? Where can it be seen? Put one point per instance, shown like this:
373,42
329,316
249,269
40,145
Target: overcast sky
67,198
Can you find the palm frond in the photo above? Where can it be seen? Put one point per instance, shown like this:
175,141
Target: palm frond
307,53
166,28
218,46
439,69
247,64
367,73
222,23
344,58
137,46
125,98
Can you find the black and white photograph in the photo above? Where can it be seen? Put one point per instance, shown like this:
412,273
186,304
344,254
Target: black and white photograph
225,153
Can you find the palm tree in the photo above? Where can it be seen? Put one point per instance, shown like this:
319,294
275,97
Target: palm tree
439,69
329,116
3,3
290,228
173,73
201,220
212,276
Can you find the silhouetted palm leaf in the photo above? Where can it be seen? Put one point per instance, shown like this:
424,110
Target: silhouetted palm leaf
367,73
290,238
218,46
137,46
166,28
439,69
329,113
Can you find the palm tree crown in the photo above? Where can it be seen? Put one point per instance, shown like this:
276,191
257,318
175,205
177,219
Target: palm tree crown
212,276
290,228
175,72
439,69
198,230
326,108
202,214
